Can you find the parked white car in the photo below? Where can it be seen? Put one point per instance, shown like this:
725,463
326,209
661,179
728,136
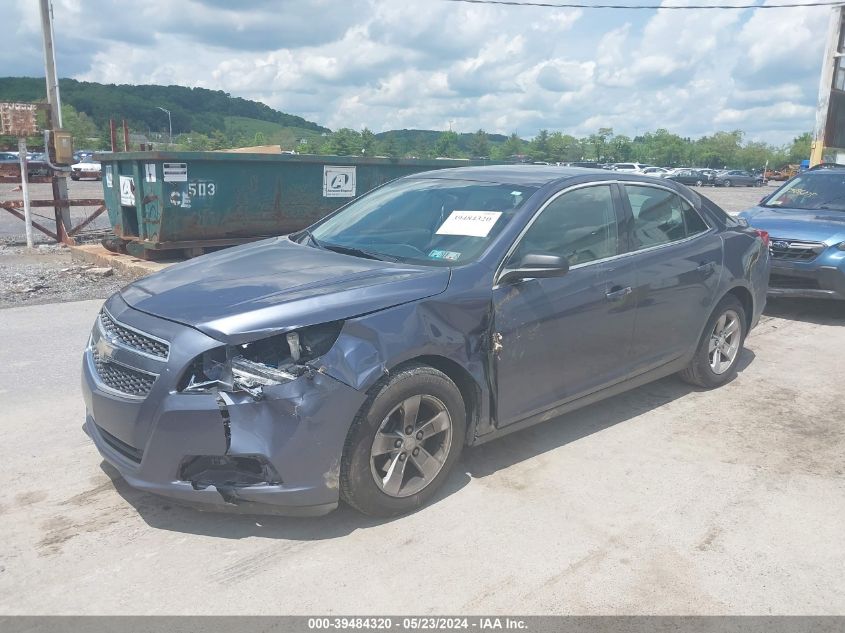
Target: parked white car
655,172
631,168
88,168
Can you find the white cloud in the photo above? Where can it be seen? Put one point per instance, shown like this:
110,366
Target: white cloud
423,63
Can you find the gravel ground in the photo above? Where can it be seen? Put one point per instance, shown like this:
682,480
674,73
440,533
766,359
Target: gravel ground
736,199
12,229
49,275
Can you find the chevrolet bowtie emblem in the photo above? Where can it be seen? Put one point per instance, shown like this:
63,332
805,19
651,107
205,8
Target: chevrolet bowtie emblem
103,348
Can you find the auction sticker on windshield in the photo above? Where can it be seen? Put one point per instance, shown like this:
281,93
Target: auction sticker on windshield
450,255
469,223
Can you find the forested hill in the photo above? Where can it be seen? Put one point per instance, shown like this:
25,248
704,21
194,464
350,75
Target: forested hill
192,109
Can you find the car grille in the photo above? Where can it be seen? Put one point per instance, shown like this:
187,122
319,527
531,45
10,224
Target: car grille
132,338
126,380
794,250
792,283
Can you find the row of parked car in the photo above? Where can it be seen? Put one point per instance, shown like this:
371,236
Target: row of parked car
699,177
36,162
84,165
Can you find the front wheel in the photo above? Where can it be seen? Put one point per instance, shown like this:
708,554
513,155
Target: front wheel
403,443
718,351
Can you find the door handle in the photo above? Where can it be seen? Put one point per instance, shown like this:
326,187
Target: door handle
616,293
706,268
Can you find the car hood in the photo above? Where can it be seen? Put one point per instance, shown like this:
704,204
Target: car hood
813,225
242,293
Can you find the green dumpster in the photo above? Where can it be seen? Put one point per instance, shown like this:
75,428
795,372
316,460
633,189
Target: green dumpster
185,203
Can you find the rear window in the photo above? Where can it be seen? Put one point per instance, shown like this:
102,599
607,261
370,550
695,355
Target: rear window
661,217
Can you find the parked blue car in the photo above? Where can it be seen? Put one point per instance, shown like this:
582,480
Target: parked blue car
805,219
355,359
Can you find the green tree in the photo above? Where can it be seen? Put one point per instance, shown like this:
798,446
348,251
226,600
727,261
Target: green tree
479,144
755,155
514,146
661,148
621,149
447,145
388,146
81,126
345,142
540,146
194,141
799,149
368,142
598,142
719,150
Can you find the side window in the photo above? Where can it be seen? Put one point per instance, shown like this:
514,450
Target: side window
579,225
661,217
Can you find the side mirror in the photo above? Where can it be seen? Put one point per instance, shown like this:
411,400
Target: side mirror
536,265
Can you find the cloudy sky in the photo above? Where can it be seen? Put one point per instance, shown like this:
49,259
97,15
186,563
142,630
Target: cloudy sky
389,64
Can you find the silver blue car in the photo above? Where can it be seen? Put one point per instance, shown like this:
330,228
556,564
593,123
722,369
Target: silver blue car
355,359
805,219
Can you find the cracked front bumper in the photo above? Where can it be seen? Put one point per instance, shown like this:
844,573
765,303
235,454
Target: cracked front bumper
298,429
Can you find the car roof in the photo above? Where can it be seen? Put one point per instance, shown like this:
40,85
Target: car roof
531,175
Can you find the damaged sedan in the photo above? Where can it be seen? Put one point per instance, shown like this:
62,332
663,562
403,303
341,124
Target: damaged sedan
355,359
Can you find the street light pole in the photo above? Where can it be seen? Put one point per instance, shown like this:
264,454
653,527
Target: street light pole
169,126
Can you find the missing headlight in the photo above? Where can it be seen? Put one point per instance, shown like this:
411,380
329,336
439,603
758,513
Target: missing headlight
252,366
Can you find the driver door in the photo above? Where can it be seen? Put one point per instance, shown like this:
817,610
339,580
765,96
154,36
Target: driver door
563,337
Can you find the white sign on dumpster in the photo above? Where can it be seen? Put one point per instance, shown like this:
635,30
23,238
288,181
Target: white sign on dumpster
175,172
338,181
127,190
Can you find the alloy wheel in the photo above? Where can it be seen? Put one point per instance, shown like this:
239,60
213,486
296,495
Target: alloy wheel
411,446
724,342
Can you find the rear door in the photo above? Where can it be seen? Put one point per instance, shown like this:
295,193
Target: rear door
562,337
678,259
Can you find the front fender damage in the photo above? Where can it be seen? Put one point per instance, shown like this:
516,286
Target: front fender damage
288,440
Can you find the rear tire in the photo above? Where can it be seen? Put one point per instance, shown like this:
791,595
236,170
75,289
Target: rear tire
387,470
720,347
699,183
728,183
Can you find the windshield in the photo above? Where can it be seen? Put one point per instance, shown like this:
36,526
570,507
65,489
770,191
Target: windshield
427,221
813,190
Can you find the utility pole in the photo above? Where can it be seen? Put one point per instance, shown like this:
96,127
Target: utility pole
54,119
169,127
